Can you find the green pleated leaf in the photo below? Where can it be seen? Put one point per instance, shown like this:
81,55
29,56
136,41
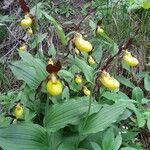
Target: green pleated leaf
117,142
95,146
115,48
29,69
37,8
147,82
58,28
69,112
140,118
137,94
128,148
125,82
38,39
55,139
51,50
103,119
23,136
36,63
106,37
65,94
66,146
92,24
67,75
108,140
97,51
84,67
25,73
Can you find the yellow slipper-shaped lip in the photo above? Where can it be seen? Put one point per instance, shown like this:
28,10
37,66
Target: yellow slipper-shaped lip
130,60
81,44
54,88
109,82
26,23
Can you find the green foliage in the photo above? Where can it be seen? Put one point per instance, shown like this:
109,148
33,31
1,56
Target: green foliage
70,112
23,72
137,94
24,136
7,18
147,82
137,4
58,28
110,142
31,70
95,146
125,82
104,120
65,9
86,69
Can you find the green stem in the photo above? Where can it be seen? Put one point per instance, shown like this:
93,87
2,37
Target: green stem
46,109
46,106
40,51
88,112
90,103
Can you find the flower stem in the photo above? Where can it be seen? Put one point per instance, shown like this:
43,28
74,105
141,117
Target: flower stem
46,105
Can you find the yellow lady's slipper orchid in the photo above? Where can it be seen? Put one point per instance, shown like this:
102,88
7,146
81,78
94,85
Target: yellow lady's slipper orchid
18,111
91,60
81,44
108,81
99,30
54,86
78,79
26,22
130,60
86,91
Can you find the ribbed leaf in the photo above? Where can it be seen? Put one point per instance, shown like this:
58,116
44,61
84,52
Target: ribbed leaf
103,119
108,140
55,139
92,24
59,115
66,146
125,82
59,30
97,51
52,51
23,136
95,146
117,142
25,73
128,148
137,94
106,37
37,8
147,82
67,75
31,70
84,67
39,66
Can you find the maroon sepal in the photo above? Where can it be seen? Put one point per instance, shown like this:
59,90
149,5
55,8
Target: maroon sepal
24,6
53,68
99,23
